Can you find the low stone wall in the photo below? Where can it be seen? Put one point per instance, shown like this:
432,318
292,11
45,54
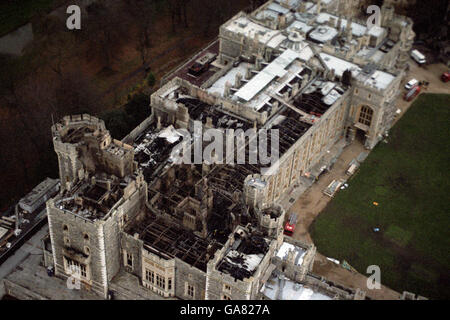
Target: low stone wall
2,289
19,292
138,130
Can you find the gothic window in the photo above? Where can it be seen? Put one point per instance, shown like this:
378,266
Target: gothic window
149,276
160,281
365,115
75,268
190,290
129,260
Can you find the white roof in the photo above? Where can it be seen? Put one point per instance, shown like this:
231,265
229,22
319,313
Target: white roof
250,29
276,41
376,31
380,80
278,8
299,253
230,76
287,289
339,65
357,29
3,231
299,25
276,68
291,3
323,34
170,134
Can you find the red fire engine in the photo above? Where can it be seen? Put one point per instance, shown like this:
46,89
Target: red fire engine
411,94
289,227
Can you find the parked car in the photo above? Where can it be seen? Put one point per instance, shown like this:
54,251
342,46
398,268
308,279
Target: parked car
445,77
411,83
418,57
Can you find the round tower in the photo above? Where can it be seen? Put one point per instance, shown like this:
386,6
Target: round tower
69,136
270,220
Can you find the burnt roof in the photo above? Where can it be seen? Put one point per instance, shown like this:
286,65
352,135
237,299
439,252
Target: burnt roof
168,240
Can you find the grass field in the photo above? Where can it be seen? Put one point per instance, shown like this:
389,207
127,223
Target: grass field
13,14
409,178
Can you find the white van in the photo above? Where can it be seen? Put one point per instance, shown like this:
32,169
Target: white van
411,83
418,57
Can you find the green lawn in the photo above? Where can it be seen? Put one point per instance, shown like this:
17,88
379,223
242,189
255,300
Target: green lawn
13,14
409,179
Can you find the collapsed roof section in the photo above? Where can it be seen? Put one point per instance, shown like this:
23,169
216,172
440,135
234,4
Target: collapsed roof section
93,199
211,115
153,148
168,241
243,256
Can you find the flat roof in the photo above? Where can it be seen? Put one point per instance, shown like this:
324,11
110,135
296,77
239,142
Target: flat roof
243,25
379,79
276,68
357,29
339,65
39,191
323,34
299,253
286,289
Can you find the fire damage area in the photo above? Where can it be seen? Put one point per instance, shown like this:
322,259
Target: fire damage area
319,97
92,200
167,240
244,256
201,111
153,148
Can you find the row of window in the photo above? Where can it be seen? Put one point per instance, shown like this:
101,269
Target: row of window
158,280
365,116
75,268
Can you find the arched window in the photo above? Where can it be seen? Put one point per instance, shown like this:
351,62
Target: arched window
365,115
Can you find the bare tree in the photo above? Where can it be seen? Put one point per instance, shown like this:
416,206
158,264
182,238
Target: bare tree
56,43
106,32
141,13
178,12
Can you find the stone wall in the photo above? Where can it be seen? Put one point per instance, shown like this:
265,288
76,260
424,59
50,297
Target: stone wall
18,292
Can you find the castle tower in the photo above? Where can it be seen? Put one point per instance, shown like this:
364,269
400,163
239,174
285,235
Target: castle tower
84,146
100,192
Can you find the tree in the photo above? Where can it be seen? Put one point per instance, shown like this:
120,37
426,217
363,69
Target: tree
138,108
178,13
141,12
105,32
12,73
151,80
117,123
75,93
56,42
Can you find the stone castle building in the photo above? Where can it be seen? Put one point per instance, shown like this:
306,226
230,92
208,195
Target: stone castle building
128,213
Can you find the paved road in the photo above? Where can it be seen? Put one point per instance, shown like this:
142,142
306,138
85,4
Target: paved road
32,246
